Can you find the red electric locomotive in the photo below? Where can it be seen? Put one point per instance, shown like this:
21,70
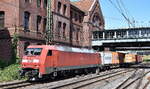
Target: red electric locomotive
44,60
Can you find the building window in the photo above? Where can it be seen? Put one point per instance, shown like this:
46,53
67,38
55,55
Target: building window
80,19
59,7
45,4
64,11
2,19
38,3
38,22
44,24
26,1
76,16
77,34
96,20
26,20
71,15
59,28
64,29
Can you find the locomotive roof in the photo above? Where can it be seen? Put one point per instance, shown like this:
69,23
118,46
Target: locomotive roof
63,48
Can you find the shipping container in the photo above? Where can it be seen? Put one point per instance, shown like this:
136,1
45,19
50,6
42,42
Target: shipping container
130,58
139,59
112,57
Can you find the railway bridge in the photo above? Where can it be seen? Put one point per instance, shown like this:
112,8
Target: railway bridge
137,39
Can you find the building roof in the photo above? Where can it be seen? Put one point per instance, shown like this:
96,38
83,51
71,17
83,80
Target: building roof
84,5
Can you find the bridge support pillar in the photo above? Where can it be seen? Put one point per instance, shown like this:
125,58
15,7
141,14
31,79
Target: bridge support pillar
103,35
127,33
115,34
140,34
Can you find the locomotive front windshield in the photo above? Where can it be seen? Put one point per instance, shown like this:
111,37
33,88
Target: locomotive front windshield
33,51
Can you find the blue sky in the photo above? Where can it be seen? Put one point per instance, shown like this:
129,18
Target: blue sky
138,11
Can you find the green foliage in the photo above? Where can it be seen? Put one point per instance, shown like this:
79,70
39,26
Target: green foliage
3,64
10,73
146,58
15,41
14,48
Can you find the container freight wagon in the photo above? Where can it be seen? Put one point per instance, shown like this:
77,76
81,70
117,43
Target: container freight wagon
40,61
130,59
139,59
112,59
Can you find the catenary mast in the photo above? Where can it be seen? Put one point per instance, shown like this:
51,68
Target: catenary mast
49,33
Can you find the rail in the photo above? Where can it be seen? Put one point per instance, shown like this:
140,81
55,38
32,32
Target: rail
83,82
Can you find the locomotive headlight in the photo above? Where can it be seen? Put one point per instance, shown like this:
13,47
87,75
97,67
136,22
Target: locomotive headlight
24,60
36,60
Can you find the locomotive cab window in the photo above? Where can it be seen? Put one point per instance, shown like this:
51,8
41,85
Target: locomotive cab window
33,51
49,53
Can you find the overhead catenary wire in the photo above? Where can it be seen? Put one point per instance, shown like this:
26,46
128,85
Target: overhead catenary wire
128,14
125,15
122,13
126,11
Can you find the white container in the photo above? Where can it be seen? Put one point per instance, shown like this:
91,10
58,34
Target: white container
106,57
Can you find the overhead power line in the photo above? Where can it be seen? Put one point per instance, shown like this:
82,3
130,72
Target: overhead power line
126,11
119,9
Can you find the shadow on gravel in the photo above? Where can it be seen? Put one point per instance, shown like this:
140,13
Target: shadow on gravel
140,66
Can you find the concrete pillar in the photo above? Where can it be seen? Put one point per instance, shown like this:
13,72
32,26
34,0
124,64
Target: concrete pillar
103,35
140,33
115,34
127,33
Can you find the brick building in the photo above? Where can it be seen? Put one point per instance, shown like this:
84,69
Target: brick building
72,22
92,20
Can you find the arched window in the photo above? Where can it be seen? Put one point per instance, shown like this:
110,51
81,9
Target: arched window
59,28
45,4
26,20
59,7
2,19
64,29
44,25
64,9
77,34
38,23
38,3
96,20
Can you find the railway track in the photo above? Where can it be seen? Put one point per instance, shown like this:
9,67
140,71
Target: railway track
84,82
133,79
80,83
146,85
24,84
14,85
